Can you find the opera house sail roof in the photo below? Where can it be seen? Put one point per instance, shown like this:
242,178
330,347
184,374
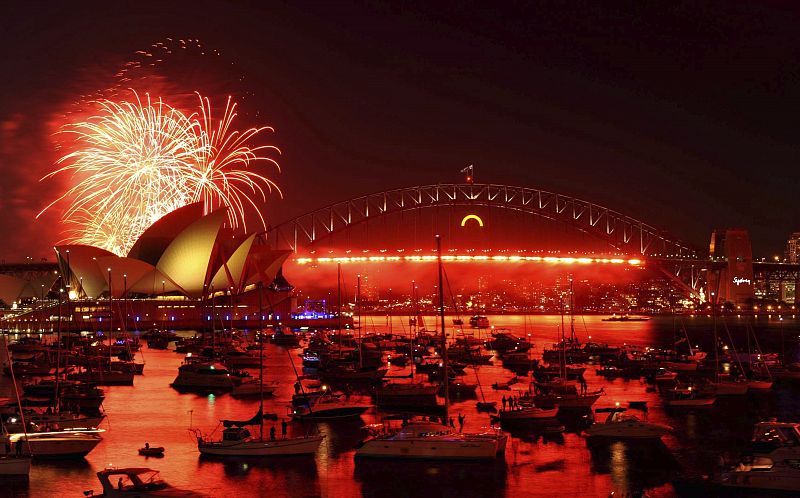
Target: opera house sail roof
186,251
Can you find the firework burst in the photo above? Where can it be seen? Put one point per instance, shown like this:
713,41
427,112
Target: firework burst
135,161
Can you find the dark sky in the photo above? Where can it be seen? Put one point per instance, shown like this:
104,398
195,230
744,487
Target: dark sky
683,115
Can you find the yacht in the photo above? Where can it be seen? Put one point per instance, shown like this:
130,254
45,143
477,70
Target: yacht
58,444
237,441
773,462
431,440
621,425
327,407
211,376
139,482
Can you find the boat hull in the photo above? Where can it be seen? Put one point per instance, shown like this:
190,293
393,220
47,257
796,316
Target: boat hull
430,450
279,447
527,414
60,447
329,413
690,402
15,466
624,431
764,481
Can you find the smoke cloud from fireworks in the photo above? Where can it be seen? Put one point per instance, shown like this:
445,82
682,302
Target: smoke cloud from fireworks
134,161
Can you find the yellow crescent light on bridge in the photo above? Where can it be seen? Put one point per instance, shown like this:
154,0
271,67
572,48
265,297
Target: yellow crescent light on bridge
472,217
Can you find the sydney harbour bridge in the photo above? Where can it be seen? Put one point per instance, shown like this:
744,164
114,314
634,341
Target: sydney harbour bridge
599,235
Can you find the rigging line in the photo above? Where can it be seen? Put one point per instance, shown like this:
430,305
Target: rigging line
294,368
466,346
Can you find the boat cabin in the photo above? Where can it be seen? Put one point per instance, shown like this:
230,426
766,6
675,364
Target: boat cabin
771,435
134,479
235,434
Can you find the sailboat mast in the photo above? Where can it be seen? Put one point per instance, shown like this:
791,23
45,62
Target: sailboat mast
445,376
571,312
339,301
110,317
56,400
563,356
261,360
716,344
358,304
213,325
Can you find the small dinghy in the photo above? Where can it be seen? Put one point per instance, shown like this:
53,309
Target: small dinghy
148,450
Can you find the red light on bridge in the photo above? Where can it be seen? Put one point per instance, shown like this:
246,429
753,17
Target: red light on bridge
470,258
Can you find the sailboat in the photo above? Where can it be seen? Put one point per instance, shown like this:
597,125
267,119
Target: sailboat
725,385
428,439
757,383
345,373
238,441
13,463
564,395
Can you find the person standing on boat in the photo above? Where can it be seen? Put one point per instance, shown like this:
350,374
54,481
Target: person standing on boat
582,382
504,402
461,419
452,423
284,427
272,433
19,447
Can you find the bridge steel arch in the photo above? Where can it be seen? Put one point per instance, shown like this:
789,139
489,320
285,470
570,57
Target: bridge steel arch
618,230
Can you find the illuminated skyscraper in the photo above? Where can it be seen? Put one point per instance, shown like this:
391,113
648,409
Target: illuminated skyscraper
793,248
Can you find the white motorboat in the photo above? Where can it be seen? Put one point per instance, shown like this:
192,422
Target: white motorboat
237,441
431,440
139,482
328,407
58,444
773,462
11,465
208,376
621,425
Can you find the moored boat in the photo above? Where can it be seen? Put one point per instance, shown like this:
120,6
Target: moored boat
328,408
237,441
204,376
58,444
620,425
431,440
137,482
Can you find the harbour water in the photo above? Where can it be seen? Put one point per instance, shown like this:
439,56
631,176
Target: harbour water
535,464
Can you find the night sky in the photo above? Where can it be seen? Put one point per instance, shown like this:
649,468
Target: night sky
682,115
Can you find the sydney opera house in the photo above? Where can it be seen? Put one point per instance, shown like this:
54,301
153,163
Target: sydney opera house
187,271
